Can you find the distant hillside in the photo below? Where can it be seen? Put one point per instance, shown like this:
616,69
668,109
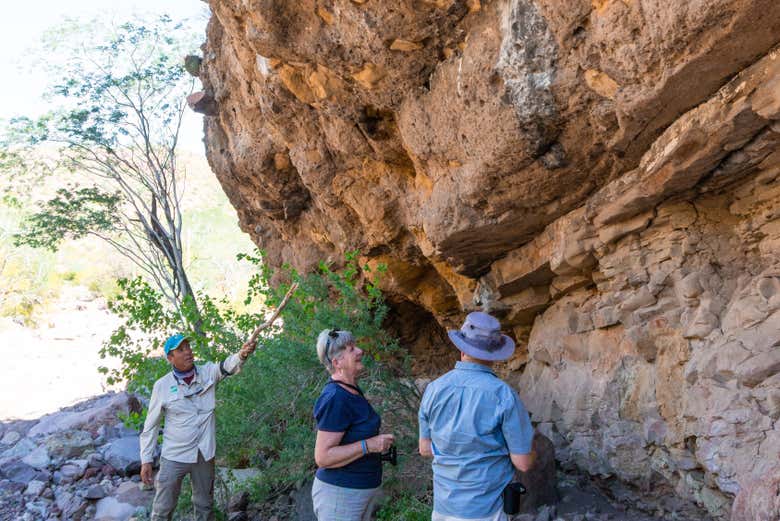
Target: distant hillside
33,278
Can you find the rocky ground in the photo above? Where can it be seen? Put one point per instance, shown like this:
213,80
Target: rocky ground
79,463
83,463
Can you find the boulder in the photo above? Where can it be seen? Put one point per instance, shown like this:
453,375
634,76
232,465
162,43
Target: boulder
111,509
34,488
73,470
10,438
134,493
95,492
540,480
39,508
18,472
91,414
124,454
72,506
39,458
95,460
21,449
69,444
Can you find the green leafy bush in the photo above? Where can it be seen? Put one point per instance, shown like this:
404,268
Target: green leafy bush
264,414
407,507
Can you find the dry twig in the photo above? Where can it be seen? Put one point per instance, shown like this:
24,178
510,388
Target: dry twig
274,316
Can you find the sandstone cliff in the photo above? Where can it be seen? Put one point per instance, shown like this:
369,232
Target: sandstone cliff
601,174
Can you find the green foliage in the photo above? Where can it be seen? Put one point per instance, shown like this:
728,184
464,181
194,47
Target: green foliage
71,214
147,322
264,414
27,275
132,72
407,507
133,420
117,104
33,277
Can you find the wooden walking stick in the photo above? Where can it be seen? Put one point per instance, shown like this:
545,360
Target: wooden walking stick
274,316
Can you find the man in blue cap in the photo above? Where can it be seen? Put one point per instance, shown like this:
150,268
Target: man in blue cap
185,398
474,427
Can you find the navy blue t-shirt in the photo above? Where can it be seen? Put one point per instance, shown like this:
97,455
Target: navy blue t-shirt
338,410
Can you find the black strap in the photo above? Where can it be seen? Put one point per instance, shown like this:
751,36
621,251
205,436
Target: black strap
355,387
224,371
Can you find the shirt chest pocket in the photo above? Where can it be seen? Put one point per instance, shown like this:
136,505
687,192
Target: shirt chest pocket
178,405
188,402
206,400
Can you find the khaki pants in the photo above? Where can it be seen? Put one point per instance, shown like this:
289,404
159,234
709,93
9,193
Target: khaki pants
168,487
332,503
498,516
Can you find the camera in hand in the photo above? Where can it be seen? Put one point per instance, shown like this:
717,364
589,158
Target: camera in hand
391,455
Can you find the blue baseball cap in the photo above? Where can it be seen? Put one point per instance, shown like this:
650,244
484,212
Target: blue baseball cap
173,342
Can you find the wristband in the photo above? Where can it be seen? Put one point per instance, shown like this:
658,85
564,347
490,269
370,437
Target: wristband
363,445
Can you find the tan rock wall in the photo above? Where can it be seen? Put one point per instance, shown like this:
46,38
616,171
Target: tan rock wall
668,364
602,175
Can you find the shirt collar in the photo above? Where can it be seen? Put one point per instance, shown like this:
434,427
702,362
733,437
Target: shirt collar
471,366
180,381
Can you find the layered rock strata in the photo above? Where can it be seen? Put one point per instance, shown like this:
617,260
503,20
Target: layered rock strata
603,175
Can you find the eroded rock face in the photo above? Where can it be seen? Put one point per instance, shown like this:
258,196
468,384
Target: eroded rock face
602,175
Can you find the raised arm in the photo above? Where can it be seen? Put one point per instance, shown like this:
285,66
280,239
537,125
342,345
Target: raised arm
233,364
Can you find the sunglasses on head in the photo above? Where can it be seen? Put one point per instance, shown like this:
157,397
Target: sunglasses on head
333,333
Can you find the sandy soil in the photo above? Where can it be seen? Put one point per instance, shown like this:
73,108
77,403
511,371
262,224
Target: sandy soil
55,365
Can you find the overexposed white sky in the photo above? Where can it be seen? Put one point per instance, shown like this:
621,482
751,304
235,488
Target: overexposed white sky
23,24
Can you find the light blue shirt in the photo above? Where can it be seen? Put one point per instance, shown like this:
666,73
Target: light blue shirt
474,421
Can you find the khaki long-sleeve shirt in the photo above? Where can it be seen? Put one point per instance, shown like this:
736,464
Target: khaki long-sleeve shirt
190,425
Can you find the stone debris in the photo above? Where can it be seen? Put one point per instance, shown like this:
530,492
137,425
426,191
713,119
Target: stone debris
95,492
38,458
62,474
203,103
10,438
122,453
34,488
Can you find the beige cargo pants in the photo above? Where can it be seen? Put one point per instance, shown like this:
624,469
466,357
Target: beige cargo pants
168,487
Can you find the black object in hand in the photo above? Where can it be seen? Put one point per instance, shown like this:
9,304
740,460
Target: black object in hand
391,455
512,494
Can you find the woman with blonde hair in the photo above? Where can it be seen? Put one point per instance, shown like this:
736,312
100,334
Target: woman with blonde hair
348,447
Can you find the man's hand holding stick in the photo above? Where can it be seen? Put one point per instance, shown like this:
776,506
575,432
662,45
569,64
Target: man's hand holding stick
249,346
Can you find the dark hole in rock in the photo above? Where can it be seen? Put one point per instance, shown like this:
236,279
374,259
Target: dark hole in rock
377,124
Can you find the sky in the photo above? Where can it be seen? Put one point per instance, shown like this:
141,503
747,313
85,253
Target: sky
23,24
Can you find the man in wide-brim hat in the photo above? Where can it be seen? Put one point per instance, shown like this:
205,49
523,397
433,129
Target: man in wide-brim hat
475,427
